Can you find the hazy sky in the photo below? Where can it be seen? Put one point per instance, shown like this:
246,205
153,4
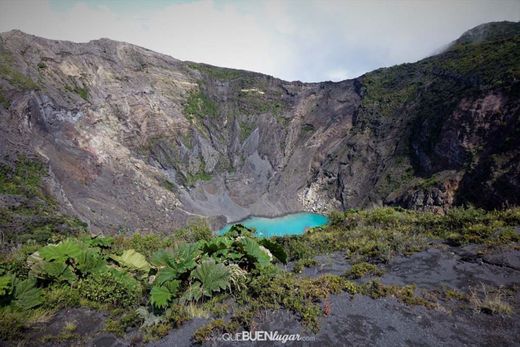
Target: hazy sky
312,40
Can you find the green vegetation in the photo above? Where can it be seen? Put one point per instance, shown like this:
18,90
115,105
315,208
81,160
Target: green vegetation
167,184
4,100
253,95
304,262
217,326
489,300
191,179
489,32
376,235
435,82
111,287
413,100
256,103
200,105
275,289
81,91
387,90
122,321
34,215
363,269
245,130
10,74
21,294
219,73
156,282
61,337
153,283
196,230
94,272
308,128
24,179
492,63
398,174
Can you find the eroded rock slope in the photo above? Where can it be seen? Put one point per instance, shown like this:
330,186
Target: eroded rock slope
134,139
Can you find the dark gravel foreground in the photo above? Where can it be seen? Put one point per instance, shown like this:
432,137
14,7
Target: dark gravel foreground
363,321
360,320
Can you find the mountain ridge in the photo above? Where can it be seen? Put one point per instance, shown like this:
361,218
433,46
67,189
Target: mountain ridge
135,139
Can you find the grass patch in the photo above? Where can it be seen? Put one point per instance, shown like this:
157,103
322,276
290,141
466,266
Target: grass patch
363,269
13,76
167,185
245,130
405,294
81,91
191,179
4,100
254,104
377,235
218,72
489,300
200,105
214,328
14,323
33,215
302,263
24,178
122,321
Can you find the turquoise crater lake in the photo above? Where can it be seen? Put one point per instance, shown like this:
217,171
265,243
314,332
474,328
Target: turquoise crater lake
291,224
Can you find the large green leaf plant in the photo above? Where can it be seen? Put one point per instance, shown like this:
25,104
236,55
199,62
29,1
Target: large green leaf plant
194,271
21,294
189,272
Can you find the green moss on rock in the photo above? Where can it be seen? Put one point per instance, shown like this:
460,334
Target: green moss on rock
200,105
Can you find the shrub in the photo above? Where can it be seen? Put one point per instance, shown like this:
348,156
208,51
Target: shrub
363,269
145,244
177,314
296,247
111,287
11,324
196,230
218,326
16,262
273,289
121,322
156,331
56,297
406,294
301,263
336,218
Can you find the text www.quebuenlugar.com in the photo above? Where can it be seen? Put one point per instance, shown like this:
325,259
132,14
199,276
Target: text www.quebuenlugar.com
261,335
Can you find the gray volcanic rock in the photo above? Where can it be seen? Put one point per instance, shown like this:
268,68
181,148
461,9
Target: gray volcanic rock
138,140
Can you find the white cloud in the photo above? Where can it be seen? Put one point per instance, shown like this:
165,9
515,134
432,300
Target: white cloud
337,75
308,40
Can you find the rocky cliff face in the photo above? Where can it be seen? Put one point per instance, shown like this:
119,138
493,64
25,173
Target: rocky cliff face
135,139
